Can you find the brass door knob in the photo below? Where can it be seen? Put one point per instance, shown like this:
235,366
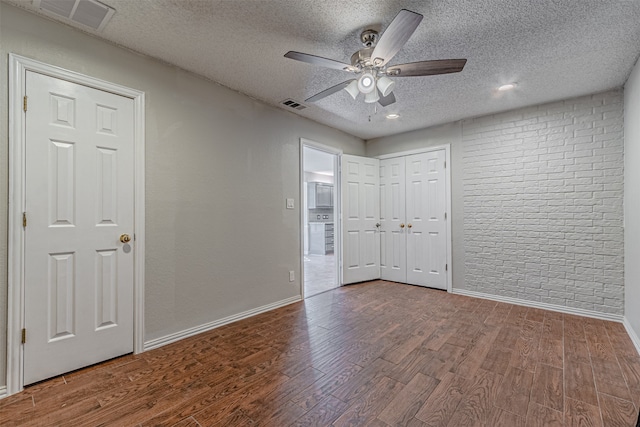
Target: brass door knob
125,238
402,225
409,225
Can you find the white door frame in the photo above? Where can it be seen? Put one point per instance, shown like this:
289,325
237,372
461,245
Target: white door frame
447,175
337,220
18,67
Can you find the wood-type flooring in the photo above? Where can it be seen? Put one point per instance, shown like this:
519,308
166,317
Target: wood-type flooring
372,354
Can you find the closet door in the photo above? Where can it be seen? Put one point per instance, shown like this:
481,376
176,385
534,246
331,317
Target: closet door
425,219
393,245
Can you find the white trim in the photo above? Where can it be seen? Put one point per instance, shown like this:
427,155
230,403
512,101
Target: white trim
411,152
632,334
542,305
3,392
447,173
18,67
177,336
337,239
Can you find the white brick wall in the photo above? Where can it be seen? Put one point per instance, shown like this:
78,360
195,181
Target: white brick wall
543,203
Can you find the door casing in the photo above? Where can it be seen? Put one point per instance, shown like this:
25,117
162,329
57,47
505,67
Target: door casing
18,66
337,245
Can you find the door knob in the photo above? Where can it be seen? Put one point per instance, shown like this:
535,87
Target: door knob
402,225
377,225
409,225
125,238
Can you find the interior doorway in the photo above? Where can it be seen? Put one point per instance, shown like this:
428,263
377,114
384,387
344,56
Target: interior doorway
320,202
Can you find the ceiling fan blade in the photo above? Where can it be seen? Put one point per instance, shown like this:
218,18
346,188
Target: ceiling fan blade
427,68
330,91
387,100
318,60
395,36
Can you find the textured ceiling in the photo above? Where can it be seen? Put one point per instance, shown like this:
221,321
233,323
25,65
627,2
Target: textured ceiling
554,49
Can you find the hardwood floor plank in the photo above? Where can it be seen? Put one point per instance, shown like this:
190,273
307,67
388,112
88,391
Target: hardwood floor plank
541,416
609,378
581,414
322,388
443,401
501,418
617,412
370,404
402,409
515,391
579,383
548,388
324,413
476,406
631,371
497,360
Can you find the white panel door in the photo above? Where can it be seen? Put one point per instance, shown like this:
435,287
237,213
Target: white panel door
426,226
79,200
393,246
360,214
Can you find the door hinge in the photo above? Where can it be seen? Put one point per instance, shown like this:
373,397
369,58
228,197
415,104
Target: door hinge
24,335
24,220
445,164
445,215
24,103
446,267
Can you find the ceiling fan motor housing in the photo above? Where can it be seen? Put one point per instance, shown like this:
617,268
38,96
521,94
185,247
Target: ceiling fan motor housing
369,38
362,58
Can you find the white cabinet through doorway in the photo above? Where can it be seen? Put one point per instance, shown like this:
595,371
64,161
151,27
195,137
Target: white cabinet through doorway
413,230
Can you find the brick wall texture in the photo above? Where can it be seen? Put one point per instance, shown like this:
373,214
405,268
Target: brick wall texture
543,213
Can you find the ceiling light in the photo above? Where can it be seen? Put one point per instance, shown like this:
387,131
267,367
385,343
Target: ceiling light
386,85
372,97
367,83
507,86
393,116
352,89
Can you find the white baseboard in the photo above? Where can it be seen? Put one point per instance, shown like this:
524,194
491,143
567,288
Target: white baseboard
632,334
177,336
542,305
3,392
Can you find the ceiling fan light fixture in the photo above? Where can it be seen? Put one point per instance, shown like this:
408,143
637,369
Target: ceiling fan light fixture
372,97
367,83
507,86
352,89
386,85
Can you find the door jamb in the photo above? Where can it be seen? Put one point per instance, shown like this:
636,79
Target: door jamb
447,174
18,67
337,248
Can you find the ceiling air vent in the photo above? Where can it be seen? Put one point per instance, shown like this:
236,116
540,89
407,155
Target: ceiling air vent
89,13
292,103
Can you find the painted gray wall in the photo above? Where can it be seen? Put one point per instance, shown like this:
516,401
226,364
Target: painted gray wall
632,199
438,135
219,166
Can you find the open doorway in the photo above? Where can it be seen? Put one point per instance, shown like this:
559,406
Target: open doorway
320,217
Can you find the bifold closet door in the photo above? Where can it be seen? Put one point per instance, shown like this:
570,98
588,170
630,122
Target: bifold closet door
425,216
393,243
413,238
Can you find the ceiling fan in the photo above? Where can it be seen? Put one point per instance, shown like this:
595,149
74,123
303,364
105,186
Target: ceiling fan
370,63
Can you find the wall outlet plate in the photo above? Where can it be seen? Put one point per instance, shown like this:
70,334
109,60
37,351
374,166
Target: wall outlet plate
290,204
292,275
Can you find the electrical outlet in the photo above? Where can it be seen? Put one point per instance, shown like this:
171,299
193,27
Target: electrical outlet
290,204
292,275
